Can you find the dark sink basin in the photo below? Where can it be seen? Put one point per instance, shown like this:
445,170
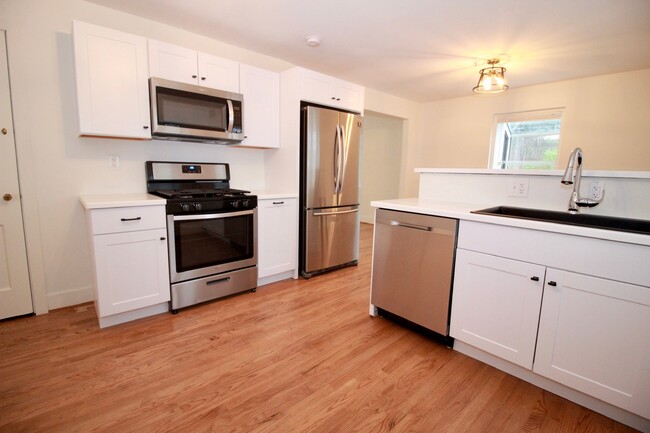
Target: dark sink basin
593,221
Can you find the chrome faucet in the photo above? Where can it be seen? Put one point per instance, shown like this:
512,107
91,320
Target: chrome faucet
572,175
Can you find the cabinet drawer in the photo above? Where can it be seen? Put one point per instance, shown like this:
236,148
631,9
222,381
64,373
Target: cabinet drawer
127,219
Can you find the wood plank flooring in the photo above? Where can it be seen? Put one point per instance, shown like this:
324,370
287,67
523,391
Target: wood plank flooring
296,356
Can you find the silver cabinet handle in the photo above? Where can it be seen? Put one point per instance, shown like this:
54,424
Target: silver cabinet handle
335,213
410,226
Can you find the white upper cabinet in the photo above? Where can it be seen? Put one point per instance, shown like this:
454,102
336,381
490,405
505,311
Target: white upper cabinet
181,64
218,73
261,90
330,91
112,88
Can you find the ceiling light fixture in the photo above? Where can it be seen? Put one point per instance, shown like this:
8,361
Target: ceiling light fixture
313,41
492,79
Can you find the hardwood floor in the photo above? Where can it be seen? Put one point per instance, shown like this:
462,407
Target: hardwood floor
296,356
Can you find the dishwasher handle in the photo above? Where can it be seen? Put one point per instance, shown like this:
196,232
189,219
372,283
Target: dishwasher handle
410,226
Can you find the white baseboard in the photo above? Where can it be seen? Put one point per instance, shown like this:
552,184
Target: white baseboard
367,219
67,298
578,397
275,278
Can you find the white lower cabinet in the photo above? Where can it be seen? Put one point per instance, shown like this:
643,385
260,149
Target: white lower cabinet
594,336
588,330
131,270
277,234
496,305
129,247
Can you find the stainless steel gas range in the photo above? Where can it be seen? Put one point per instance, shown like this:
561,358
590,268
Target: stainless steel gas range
212,231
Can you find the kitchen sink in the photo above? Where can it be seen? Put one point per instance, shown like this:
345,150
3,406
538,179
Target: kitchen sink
593,221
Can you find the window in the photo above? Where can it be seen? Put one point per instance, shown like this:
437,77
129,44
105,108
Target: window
526,140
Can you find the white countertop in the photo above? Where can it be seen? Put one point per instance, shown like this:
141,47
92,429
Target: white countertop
462,211
101,201
558,173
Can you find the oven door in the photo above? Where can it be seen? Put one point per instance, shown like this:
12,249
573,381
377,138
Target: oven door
208,244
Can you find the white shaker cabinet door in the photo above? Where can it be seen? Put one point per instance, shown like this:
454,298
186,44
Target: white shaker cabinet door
131,269
112,89
277,232
330,91
218,73
496,304
594,336
172,62
261,90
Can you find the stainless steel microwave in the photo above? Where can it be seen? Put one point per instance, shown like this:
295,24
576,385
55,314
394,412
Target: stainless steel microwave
185,112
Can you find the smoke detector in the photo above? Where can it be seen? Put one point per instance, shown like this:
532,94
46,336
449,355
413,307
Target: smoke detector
313,41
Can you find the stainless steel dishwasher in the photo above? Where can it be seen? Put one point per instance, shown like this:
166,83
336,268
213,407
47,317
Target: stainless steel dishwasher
412,267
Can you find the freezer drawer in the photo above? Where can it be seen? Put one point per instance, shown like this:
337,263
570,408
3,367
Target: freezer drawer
412,267
331,237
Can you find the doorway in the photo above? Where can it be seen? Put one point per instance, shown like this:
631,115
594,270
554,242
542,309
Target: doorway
15,291
381,160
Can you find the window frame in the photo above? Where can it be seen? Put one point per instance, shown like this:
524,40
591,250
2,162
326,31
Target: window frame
500,128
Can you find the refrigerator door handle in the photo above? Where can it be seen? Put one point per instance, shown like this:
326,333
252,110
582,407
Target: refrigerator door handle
337,152
344,158
335,213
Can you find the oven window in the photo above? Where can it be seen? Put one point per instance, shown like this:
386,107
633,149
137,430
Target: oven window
210,242
189,110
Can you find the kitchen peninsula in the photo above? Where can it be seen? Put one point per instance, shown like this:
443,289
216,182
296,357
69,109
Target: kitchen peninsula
564,307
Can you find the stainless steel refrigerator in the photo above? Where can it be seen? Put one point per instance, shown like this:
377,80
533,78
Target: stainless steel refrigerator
329,189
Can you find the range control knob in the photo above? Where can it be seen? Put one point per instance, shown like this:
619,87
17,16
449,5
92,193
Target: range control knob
235,204
185,207
246,203
198,206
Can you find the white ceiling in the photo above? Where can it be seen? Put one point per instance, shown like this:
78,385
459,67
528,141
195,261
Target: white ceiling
424,50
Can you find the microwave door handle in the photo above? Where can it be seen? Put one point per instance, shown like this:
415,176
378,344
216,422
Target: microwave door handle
231,115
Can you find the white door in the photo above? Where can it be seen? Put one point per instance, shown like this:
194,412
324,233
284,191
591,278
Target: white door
15,293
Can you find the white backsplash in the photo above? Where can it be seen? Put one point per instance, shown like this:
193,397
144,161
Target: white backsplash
624,196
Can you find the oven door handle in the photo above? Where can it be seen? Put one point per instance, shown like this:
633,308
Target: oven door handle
212,216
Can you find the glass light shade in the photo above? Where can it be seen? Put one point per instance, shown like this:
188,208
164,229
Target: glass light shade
491,80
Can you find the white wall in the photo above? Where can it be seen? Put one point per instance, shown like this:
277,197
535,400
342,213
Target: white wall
626,193
606,115
381,155
390,105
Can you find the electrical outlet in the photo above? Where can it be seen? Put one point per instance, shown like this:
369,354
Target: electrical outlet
518,187
596,190
114,162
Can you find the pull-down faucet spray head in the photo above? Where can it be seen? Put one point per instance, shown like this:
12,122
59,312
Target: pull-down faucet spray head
572,176
570,173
